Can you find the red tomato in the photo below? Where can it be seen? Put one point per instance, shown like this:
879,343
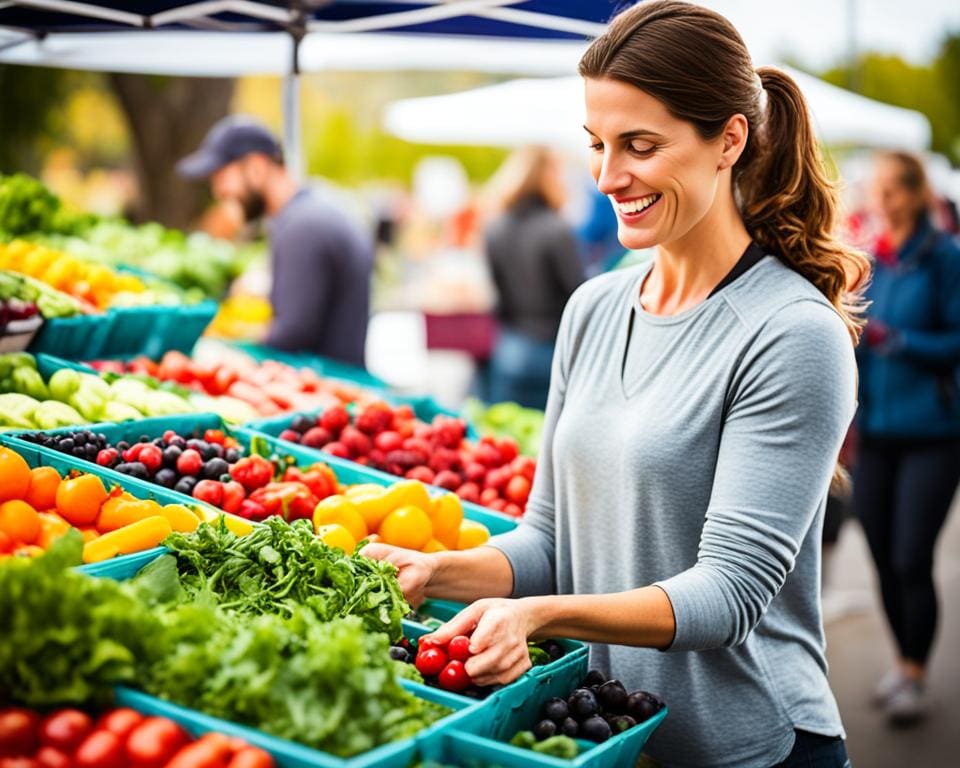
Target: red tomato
251,757
120,721
454,677
233,496
210,491
459,648
212,750
19,762
18,731
48,757
101,749
154,742
64,730
430,661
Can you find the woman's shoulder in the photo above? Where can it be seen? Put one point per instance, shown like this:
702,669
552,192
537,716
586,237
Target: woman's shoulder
773,289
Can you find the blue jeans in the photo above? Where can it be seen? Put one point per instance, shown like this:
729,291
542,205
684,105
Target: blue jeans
811,750
519,370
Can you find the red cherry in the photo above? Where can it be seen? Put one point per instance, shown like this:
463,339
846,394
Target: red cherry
454,677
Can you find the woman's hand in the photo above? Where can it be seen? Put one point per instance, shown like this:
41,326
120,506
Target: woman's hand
498,630
415,569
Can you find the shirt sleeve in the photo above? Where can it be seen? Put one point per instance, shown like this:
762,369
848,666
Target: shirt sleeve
790,404
531,546
940,347
303,271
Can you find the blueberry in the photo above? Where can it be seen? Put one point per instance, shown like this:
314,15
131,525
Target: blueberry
612,696
66,445
214,468
302,423
570,727
641,706
594,677
170,455
554,650
556,709
399,654
79,451
217,450
583,703
595,729
545,729
186,485
178,441
166,477
134,469
232,455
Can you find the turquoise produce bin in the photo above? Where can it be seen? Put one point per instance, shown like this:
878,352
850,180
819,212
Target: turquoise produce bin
79,338
329,369
486,736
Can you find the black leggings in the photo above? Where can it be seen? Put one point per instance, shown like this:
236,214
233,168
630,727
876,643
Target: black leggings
901,494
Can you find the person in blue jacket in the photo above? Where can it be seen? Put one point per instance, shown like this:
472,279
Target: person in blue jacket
909,418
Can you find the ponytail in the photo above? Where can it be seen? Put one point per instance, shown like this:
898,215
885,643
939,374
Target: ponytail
694,61
790,206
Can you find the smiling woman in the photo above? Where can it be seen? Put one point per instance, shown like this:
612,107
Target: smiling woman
697,405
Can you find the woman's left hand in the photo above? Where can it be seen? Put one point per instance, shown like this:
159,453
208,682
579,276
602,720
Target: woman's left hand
498,630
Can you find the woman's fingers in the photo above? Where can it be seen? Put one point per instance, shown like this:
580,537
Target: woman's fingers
377,551
498,666
461,624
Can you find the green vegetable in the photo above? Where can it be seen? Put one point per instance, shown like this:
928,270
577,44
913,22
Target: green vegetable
68,638
114,411
558,746
525,425
52,414
283,565
538,656
17,410
28,381
51,302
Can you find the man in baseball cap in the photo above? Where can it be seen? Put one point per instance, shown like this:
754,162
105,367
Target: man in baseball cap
321,259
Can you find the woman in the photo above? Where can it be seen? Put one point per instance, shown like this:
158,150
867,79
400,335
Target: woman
697,406
909,420
532,253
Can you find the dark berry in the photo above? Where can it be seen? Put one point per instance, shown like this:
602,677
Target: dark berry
214,468
595,729
545,729
556,709
232,455
186,485
570,727
170,455
612,696
583,704
166,477
301,423
399,654
594,677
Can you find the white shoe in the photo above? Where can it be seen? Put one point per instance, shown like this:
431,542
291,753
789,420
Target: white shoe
888,686
908,704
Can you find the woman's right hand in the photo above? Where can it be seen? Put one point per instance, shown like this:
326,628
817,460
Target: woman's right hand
415,569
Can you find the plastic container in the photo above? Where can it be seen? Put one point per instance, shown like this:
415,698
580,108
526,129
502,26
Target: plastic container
330,369
79,338
351,472
486,736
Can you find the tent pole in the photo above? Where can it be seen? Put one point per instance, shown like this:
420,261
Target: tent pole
292,127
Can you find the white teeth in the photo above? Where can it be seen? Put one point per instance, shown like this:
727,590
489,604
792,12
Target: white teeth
635,206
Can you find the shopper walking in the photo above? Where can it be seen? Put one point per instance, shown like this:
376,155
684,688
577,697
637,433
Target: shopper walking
533,259
909,420
321,261
697,406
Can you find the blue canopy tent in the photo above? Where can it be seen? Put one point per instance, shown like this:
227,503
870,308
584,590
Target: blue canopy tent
232,37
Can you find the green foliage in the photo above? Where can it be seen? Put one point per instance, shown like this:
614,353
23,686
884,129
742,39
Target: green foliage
28,100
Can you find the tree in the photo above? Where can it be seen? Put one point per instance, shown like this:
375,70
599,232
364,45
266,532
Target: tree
28,118
168,118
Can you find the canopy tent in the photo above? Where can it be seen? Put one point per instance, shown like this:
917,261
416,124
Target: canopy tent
232,37
551,111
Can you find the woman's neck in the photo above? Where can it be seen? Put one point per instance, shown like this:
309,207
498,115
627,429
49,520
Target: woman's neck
687,270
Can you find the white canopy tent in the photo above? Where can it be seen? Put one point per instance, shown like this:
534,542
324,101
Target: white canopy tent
551,111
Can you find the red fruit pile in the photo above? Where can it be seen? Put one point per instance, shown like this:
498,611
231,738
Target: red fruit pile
121,738
490,472
444,664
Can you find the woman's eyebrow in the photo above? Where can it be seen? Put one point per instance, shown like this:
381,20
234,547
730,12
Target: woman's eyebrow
631,134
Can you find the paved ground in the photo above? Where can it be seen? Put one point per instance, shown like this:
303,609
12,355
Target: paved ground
860,650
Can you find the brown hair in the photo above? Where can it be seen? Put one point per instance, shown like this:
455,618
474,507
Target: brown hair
694,61
524,175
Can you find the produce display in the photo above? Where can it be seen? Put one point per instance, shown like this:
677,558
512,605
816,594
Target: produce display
525,425
38,506
269,388
596,711
49,302
490,472
70,397
28,206
118,738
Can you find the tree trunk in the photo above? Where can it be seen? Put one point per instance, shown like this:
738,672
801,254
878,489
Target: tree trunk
168,118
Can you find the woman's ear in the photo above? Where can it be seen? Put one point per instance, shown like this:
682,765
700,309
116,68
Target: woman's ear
735,134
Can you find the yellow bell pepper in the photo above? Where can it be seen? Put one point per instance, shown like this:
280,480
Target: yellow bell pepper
136,537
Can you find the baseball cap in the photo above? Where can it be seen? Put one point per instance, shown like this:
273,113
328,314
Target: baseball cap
230,139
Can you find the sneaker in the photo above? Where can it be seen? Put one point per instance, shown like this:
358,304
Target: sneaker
889,684
908,705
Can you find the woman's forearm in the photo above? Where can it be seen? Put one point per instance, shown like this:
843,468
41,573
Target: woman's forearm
641,617
471,575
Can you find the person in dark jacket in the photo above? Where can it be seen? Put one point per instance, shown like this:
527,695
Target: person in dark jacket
535,264
909,419
321,260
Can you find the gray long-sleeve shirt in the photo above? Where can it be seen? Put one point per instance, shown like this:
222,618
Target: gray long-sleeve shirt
705,473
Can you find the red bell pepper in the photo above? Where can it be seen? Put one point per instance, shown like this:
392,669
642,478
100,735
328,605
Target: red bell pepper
319,479
252,472
290,500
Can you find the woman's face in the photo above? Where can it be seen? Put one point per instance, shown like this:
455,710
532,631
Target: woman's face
897,205
660,175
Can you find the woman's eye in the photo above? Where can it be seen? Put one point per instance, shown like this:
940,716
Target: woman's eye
597,147
642,149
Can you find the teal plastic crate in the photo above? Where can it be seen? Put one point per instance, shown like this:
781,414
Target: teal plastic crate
486,736
330,369
80,338
496,522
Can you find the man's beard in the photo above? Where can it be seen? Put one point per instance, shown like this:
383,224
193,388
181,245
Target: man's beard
253,205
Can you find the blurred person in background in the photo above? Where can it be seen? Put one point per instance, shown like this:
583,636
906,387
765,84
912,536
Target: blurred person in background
534,261
321,260
909,418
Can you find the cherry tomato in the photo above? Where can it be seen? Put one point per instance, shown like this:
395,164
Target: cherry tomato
120,721
459,648
430,661
212,750
151,457
454,677
64,730
18,731
189,462
214,436
233,496
48,757
210,491
251,757
101,749
154,742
